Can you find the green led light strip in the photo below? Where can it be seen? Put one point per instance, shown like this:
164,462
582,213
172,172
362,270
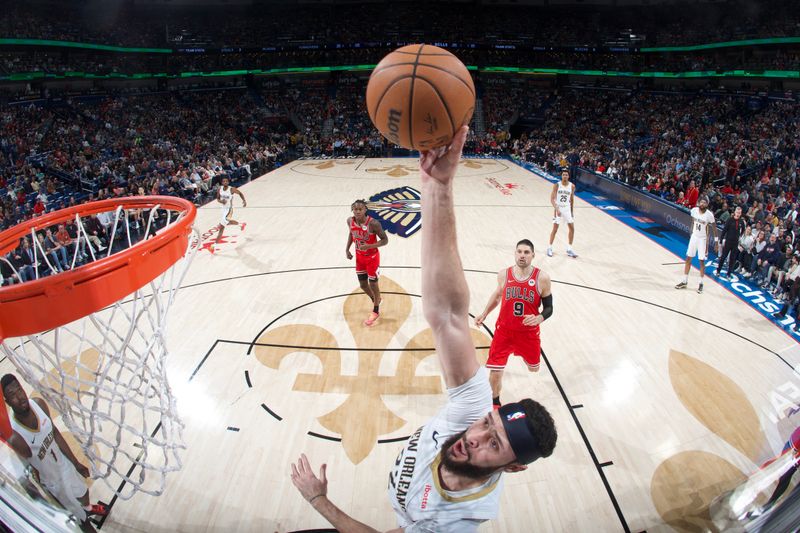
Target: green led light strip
782,74
87,46
726,44
109,48
675,75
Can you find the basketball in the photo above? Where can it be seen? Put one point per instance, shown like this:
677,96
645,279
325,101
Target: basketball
419,95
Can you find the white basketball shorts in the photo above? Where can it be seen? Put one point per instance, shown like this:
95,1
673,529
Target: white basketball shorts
698,246
565,214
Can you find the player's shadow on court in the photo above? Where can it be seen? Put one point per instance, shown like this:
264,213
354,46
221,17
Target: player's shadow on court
249,260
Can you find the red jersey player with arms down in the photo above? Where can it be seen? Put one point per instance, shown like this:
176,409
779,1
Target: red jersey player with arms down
521,290
368,235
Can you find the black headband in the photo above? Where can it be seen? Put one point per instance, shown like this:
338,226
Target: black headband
519,434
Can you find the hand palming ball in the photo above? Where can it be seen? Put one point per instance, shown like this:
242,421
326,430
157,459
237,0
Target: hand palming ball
419,96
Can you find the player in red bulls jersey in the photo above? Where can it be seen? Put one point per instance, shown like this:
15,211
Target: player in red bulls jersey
368,235
521,290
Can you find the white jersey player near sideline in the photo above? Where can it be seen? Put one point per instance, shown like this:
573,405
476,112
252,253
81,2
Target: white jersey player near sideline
563,199
38,442
702,223
447,477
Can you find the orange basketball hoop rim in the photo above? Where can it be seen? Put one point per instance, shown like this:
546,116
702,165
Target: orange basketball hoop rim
39,305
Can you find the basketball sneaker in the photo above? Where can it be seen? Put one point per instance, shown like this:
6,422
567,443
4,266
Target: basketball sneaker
681,285
98,509
549,251
371,319
700,289
572,253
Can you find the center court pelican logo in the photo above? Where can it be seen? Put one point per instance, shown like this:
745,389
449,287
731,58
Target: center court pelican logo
398,210
360,405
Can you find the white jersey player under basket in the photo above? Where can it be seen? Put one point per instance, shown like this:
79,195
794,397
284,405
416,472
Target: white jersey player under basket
563,199
702,223
447,477
38,442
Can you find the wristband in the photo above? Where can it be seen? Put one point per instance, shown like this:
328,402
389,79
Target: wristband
315,497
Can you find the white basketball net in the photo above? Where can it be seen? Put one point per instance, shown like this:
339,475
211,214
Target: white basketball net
105,374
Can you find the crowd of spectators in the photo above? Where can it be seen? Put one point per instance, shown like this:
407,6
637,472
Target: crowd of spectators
737,150
263,37
272,24
661,142
352,131
59,62
178,143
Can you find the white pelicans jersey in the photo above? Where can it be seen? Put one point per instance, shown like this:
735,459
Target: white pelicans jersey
700,222
564,194
415,491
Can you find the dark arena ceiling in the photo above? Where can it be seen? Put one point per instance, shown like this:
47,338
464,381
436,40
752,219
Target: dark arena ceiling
543,3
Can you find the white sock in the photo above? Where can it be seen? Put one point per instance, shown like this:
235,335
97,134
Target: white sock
686,279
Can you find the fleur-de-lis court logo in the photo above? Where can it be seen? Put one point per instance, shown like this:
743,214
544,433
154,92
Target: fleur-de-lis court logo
395,171
686,484
399,171
476,163
364,416
327,164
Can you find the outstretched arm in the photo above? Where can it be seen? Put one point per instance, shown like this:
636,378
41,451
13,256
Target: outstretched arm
445,295
349,241
572,201
714,230
315,491
494,299
237,191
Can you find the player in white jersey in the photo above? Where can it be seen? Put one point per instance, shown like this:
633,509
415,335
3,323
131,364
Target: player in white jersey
225,197
563,200
38,442
447,477
702,223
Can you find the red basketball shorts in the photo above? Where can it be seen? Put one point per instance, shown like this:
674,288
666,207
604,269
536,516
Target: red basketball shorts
524,343
369,265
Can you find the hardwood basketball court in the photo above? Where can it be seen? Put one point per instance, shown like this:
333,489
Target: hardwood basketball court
663,399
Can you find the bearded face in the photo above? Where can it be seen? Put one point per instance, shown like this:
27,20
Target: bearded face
464,467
